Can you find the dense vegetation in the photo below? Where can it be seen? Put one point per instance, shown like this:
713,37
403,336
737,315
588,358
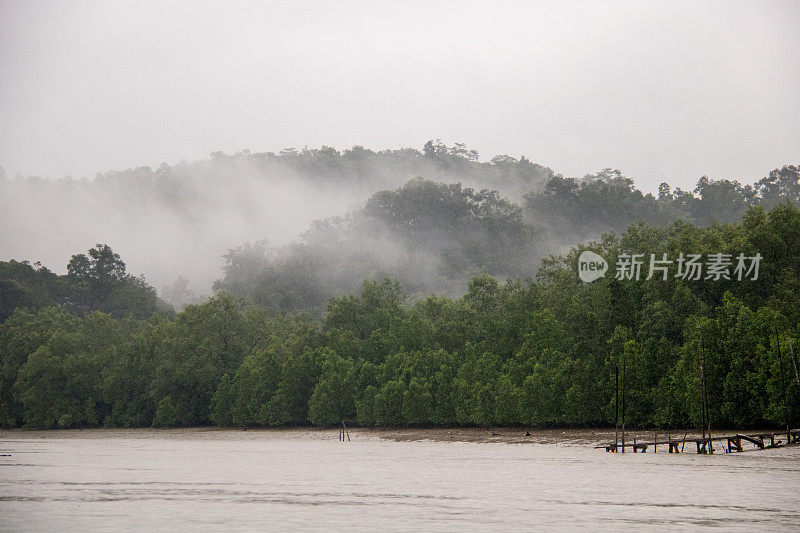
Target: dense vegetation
286,341
356,166
535,353
360,214
177,220
433,237
430,236
96,281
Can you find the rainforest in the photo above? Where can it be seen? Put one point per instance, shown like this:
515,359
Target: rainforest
447,300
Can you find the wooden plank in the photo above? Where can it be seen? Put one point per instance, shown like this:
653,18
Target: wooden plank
754,439
762,440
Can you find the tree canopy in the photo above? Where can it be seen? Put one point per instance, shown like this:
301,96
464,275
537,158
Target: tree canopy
536,353
96,281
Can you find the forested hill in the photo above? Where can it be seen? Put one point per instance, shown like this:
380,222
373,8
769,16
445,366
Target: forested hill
434,237
541,353
324,219
431,237
609,201
356,167
178,220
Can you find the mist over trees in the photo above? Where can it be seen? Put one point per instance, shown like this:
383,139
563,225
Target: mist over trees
538,353
318,221
430,236
426,288
178,220
434,237
575,209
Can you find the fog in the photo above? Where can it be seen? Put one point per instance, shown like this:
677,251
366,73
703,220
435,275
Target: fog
159,233
179,221
666,91
162,229
661,90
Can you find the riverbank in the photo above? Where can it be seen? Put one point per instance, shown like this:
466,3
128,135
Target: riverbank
566,437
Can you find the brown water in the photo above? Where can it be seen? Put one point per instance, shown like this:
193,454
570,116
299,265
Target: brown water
277,482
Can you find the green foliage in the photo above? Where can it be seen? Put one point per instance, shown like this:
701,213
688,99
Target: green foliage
333,399
435,237
94,282
576,209
428,235
538,353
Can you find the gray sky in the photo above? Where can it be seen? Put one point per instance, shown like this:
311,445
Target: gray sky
668,90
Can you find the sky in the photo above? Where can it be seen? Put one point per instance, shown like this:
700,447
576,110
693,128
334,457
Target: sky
661,90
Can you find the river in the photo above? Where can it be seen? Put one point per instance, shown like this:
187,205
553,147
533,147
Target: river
246,481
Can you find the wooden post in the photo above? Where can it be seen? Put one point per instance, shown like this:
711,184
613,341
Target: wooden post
616,407
702,394
623,401
794,362
783,388
705,401
709,447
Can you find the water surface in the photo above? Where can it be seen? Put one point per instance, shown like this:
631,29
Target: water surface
275,481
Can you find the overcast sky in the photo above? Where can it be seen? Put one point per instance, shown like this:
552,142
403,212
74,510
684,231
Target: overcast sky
669,90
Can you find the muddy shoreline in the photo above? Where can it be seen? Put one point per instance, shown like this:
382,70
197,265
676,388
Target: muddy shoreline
566,437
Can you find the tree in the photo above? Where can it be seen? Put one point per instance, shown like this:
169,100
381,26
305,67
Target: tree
333,398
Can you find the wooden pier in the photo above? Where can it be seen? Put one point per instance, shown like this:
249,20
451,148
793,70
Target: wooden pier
705,445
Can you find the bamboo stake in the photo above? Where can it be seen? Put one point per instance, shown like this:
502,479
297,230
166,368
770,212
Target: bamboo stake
623,401
794,362
616,408
708,446
708,411
783,388
702,393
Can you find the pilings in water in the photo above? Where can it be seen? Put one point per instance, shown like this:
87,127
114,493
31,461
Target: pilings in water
760,441
706,417
343,432
783,386
623,401
705,444
616,407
